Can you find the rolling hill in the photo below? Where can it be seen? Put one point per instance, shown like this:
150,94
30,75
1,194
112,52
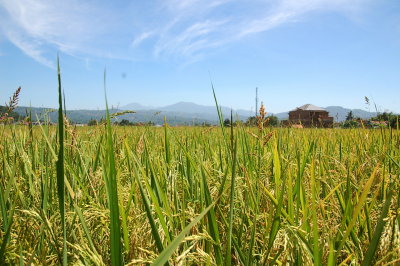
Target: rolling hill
181,113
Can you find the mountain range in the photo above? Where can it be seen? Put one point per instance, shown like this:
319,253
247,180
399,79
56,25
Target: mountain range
189,108
181,113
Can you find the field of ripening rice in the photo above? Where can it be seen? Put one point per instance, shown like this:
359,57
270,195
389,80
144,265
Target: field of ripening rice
194,195
116,195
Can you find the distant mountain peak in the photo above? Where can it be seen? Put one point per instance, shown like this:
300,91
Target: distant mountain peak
135,107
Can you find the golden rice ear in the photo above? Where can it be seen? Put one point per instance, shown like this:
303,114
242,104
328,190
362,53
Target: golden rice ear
11,106
14,100
262,111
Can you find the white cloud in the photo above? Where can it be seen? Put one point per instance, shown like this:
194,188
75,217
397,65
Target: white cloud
36,26
194,38
142,37
267,23
196,5
31,48
163,28
199,27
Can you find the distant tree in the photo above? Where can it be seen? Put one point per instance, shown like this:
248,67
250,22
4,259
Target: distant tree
395,122
385,116
251,121
92,122
227,122
350,124
237,123
124,122
391,119
272,121
349,116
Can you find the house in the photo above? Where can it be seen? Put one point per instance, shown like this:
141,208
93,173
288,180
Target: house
310,115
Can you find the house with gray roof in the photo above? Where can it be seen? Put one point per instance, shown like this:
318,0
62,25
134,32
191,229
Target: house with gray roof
310,115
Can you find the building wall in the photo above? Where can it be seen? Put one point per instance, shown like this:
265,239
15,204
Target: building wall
301,114
311,118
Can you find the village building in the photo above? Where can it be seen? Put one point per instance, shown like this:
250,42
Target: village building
310,115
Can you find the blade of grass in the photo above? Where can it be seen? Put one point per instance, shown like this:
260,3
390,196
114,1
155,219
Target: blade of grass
60,165
112,190
212,221
380,225
228,253
169,250
358,208
146,203
316,250
276,223
249,260
4,243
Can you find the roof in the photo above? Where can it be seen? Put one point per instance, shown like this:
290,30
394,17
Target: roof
309,107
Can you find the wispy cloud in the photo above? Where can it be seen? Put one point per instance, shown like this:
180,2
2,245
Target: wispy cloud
199,27
39,26
31,48
194,38
141,38
186,30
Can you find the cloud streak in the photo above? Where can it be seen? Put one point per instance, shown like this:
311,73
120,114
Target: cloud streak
182,30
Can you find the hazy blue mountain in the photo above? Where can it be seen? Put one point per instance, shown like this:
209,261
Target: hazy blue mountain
195,111
181,113
339,113
136,107
282,116
84,116
188,108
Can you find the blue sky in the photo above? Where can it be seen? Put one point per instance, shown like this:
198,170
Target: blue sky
324,52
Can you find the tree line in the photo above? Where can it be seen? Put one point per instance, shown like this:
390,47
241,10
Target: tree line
385,119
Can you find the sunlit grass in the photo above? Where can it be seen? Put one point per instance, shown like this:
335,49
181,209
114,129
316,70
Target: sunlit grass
305,196
196,195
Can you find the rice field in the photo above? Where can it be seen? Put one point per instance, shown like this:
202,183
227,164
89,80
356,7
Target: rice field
114,195
198,196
